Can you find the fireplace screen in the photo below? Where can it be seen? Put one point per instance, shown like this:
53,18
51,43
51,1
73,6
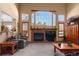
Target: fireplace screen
38,36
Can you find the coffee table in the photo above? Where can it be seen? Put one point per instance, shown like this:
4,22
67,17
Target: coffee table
64,48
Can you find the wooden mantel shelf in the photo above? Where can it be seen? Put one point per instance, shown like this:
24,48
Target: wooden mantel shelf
43,27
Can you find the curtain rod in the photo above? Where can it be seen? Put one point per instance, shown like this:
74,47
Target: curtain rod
43,10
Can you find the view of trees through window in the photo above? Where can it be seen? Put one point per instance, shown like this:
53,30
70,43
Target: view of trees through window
44,18
6,20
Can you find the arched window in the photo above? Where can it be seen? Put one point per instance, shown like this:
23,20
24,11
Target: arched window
44,18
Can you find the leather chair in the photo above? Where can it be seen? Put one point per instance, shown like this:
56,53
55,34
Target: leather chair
22,43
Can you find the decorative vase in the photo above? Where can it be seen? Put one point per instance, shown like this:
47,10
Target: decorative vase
59,44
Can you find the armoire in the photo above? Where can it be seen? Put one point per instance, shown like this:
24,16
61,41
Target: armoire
72,30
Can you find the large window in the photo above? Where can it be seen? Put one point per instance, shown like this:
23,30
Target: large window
25,17
61,27
25,24
6,20
44,18
61,18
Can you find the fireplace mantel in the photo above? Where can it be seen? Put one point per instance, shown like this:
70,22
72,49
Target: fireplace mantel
43,27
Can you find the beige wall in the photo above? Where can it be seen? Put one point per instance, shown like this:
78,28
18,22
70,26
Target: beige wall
72,10
59,8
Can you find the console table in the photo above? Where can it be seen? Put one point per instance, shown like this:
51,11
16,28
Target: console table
4,45
65,48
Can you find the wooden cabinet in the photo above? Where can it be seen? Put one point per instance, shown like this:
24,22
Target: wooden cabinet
73,32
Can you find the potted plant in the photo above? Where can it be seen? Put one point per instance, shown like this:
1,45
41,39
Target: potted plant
69,43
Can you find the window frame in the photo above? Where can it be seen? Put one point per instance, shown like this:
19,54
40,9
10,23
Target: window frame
25,15
34,21
60,16
6,22
27,26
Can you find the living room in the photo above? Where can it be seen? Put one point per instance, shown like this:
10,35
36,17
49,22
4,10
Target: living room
43,29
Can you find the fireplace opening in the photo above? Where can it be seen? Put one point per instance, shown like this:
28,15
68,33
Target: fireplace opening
50,36
38,36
